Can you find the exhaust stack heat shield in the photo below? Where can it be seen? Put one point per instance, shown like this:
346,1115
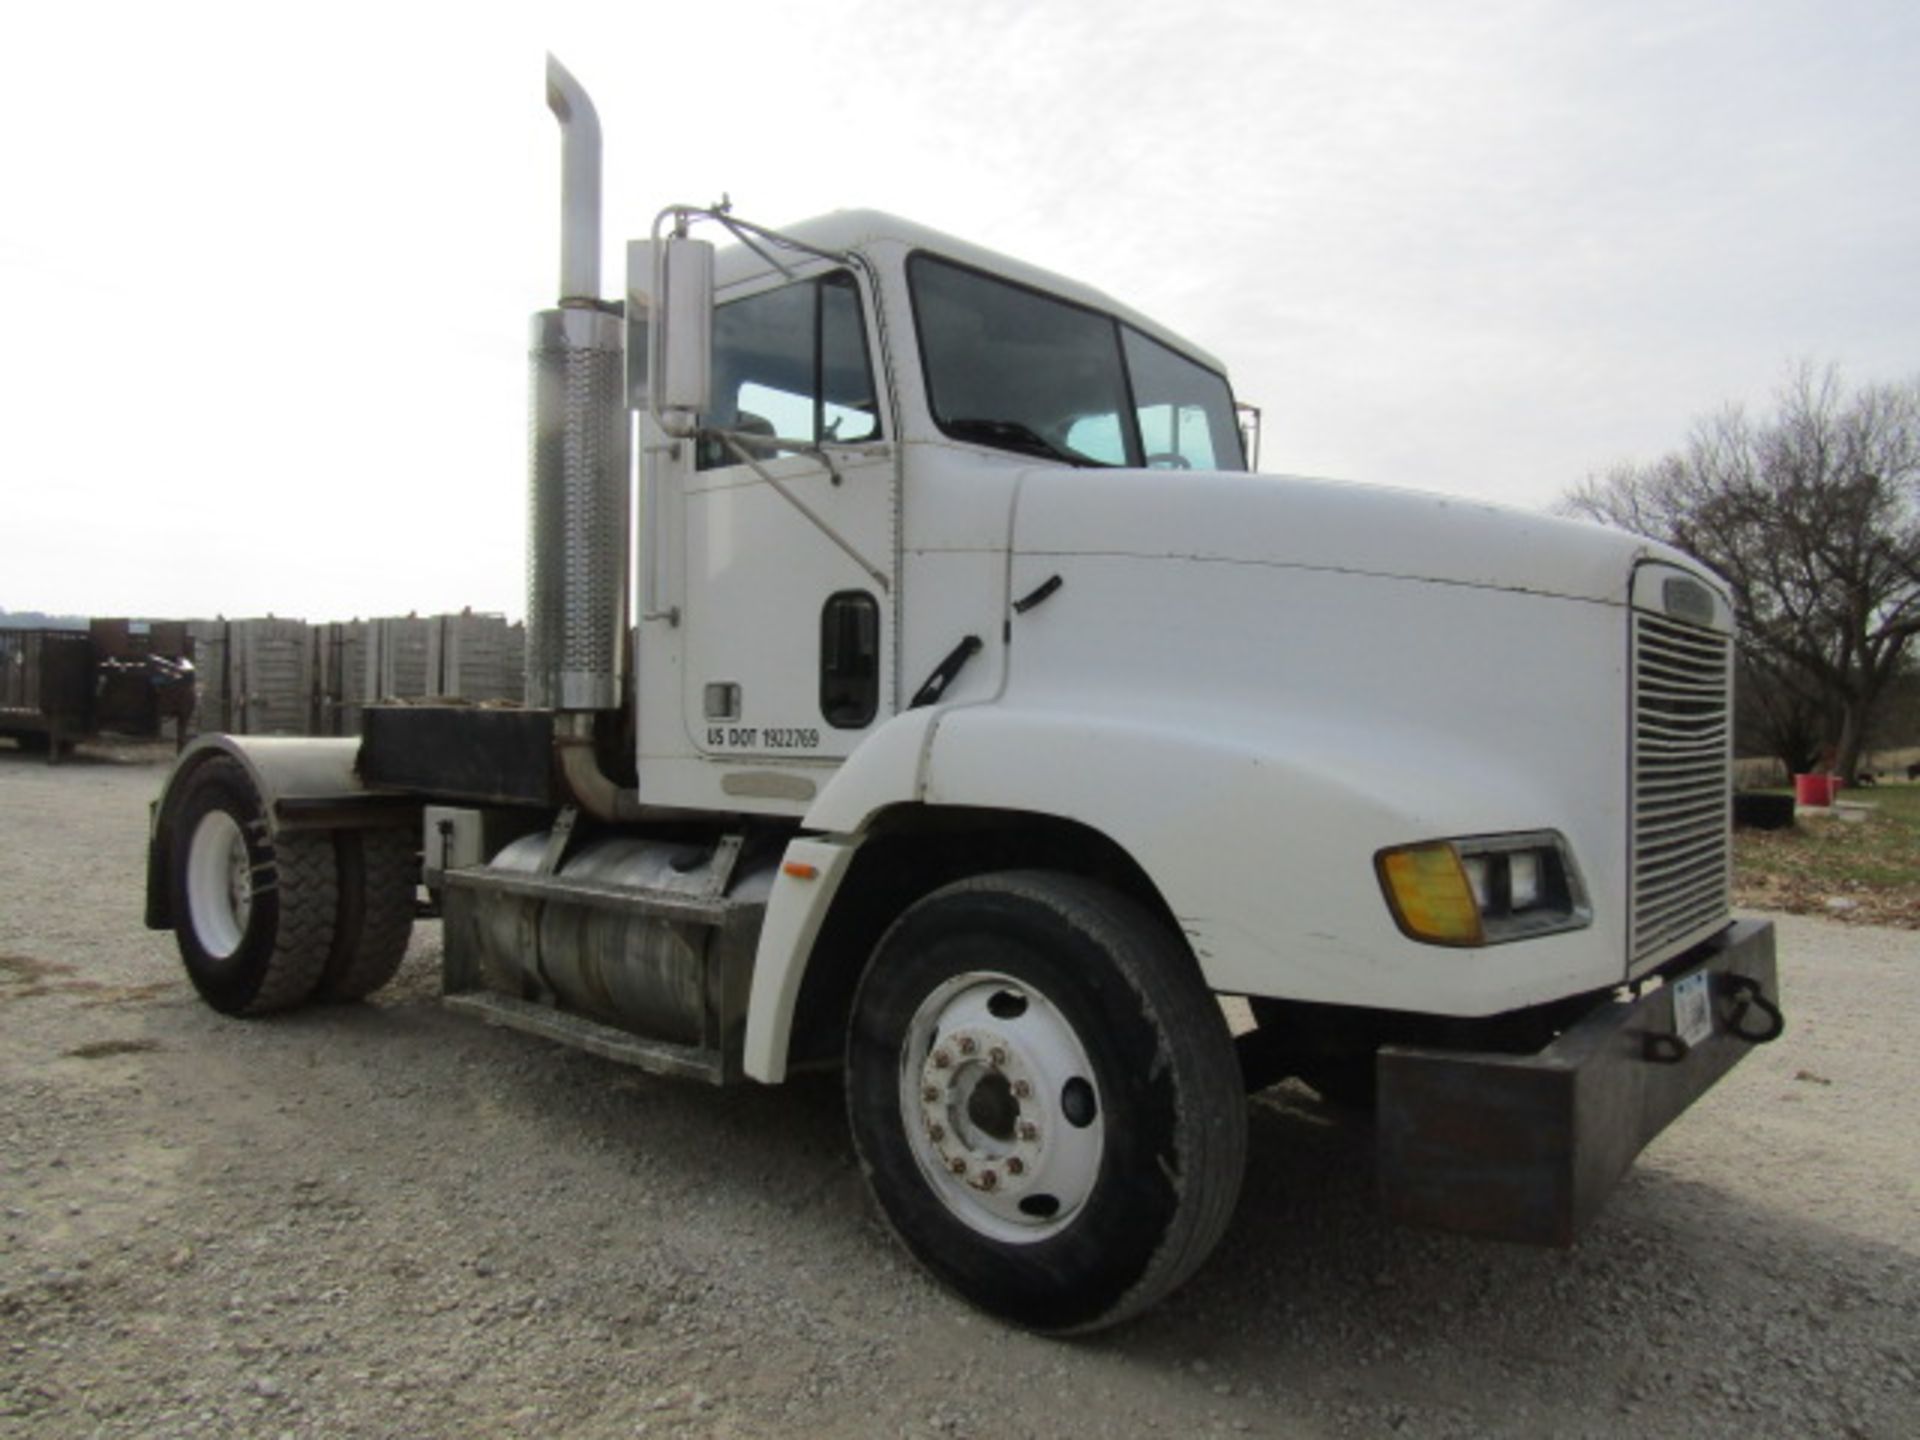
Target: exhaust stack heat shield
577,512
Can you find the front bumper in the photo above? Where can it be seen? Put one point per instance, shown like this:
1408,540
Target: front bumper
1526,1147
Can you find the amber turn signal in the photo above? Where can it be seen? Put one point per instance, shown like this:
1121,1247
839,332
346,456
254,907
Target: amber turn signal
1430,895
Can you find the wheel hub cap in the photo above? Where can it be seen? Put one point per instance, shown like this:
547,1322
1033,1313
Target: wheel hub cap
219,884
1000,1107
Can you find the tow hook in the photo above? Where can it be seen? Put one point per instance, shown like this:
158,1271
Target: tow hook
1742,994
1745,993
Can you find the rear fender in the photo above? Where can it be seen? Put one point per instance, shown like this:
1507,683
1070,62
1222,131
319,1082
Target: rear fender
304,783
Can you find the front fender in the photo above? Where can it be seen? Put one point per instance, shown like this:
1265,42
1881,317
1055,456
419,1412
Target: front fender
888,768
1263,844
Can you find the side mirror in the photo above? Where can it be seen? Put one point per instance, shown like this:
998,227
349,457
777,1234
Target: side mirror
681,388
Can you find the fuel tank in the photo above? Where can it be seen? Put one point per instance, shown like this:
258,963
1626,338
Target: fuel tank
652,937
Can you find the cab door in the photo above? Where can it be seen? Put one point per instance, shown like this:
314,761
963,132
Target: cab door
790,531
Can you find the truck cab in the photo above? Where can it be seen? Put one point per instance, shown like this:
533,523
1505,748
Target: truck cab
808,591
921,685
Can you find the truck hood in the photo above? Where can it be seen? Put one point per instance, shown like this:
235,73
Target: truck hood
1289,522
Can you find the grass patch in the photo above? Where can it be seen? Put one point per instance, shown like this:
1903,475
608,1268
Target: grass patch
1865,871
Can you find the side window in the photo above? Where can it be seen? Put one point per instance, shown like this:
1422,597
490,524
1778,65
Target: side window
850,659
849,410
791,363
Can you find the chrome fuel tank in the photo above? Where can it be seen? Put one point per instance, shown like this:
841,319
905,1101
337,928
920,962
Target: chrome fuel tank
653,937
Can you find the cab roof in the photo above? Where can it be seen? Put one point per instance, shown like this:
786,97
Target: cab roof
869,231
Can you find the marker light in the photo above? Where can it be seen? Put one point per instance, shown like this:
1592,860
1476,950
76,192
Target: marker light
1432,898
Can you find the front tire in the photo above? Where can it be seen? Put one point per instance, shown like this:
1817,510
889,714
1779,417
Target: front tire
1045,1099
253,912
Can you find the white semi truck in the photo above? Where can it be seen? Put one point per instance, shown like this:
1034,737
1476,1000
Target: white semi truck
919,683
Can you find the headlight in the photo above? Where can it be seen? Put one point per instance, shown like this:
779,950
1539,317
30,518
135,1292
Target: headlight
1484,890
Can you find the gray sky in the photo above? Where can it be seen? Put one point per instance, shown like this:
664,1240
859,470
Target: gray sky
266,270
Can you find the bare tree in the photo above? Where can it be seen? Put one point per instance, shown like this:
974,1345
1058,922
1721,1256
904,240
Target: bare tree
1813,517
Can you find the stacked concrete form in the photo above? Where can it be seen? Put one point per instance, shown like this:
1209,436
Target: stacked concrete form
255,676
287,677
477,657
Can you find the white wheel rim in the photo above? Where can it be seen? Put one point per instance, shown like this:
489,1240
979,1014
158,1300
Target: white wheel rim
219,884
1001,1108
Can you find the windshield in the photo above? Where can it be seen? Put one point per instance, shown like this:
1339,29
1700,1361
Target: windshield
1024,371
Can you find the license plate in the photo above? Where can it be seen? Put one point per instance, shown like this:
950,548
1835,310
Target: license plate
1693,1008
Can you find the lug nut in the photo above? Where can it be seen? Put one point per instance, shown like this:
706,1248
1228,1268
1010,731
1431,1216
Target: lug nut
931,1094
957,1165
988,1180
1022,1090
937,1133
942,1060
1029,1130
968,1045
997,1056
1016,1166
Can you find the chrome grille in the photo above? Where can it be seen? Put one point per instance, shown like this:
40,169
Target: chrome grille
1682,784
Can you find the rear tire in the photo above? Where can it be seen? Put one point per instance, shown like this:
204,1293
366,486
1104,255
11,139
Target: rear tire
379,873
253,912
1045,1099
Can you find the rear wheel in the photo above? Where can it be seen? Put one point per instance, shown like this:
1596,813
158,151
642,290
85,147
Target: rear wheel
378,875
1045,1099
253,912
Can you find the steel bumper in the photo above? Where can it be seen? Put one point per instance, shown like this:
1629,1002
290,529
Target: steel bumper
1526,1147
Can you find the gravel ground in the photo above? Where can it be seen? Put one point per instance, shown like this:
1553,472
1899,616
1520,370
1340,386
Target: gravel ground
382,1219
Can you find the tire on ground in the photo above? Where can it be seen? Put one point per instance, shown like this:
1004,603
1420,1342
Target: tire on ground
1046,974
253,911
378,873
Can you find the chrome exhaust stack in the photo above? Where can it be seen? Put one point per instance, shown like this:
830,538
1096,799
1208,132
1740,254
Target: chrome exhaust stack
577,504
579,186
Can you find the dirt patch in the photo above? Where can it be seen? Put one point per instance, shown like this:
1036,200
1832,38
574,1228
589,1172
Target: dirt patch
103,1049
22,978
27,969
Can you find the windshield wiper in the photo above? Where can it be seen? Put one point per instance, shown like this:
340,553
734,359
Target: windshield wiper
1013,435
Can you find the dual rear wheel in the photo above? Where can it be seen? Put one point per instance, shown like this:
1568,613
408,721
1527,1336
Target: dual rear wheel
269,921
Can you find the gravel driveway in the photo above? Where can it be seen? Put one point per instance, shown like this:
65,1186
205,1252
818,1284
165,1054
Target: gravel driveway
385,1220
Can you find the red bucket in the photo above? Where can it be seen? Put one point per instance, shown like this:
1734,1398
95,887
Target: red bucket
1815,789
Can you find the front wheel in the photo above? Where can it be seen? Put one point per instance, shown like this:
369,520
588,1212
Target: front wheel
1045,1099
